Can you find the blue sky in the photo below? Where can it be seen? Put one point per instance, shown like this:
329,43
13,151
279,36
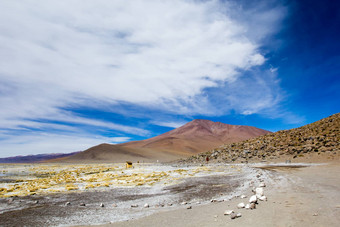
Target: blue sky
74,74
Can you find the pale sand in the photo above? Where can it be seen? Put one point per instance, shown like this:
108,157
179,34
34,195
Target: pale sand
310,197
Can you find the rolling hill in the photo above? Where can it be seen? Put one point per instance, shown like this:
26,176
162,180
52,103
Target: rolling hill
192,138
315,142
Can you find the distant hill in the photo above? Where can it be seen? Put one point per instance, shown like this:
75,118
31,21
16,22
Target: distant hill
315,142
191,138
34,158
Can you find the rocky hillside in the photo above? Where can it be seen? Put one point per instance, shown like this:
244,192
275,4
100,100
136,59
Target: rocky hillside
320,140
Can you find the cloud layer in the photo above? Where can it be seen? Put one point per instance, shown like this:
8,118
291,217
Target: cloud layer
162,55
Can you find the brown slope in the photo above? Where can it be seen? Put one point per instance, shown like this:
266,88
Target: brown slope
197,136
315,142
104,153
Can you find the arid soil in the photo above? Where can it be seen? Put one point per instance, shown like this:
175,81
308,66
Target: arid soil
307,196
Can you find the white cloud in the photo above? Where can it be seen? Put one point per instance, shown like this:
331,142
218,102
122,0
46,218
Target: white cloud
157,54
169,124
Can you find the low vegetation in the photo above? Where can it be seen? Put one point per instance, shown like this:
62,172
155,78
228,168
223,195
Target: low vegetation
321,138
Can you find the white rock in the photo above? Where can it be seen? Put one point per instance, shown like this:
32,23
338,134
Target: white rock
114,205
253,199
247,206
184,203
238,215
233,216
263,198
146,205
262,185
101,205
259,192
240,205
243,196
134,205
67,204
189,207
228,212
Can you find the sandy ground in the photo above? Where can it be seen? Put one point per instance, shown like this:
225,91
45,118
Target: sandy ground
307,196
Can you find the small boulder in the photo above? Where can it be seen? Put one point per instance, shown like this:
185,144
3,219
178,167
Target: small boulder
252,206
134,205
233,216
243,196
262,185
184,203
238,215
67,204
228,212
114,205
247,206
259,192
263,198
82,204
240,205
189,207
146,205
102,205
253,199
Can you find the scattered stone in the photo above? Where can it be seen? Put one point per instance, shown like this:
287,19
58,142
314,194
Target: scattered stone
252,206
36,202
247,206
146,205
82,204
134,205
259,192
67,204
263,198
189,207
253,199
262,185
315,214
198,202
243,196
241,205
114,205
213,200
184,203
232,215
228,212
169,204
238,215
102,205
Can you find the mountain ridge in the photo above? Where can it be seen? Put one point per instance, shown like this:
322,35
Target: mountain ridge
196,136
317,141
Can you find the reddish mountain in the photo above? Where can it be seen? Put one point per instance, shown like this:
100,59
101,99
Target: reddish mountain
192,138
197,136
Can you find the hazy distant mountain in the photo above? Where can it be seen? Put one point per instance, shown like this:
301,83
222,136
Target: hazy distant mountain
318,141
34,158
191,138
